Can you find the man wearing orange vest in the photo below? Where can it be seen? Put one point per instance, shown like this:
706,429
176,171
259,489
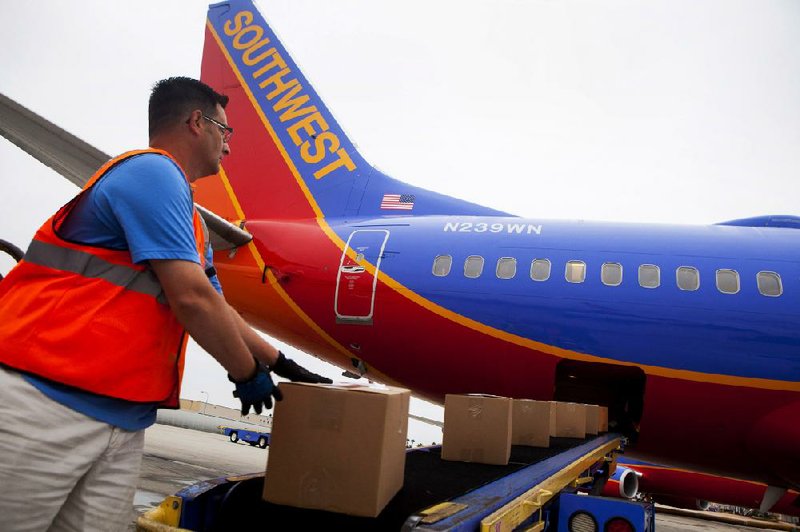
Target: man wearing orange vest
94,323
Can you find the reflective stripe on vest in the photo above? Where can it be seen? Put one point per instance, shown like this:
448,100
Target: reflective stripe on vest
92,266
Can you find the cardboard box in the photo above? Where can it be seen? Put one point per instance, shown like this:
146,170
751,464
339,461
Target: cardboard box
592,419
337,448
477,428
570,420
596,419
530,422
603,419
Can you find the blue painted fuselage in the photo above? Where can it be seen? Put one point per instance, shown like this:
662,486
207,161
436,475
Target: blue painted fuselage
744,334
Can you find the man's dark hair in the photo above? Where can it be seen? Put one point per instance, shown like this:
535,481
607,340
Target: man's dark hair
173,99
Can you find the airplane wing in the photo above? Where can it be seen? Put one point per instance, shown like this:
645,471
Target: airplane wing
77,160
427,420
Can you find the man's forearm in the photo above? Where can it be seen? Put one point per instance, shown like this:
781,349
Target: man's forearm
205,315
269,355
261,349
215,330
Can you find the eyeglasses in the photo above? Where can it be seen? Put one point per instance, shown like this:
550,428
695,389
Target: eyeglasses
226,131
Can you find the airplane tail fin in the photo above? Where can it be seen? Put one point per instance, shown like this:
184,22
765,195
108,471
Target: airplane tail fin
289,157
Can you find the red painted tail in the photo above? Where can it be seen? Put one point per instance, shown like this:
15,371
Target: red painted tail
290,159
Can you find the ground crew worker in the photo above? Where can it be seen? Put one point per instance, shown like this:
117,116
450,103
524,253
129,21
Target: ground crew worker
94,323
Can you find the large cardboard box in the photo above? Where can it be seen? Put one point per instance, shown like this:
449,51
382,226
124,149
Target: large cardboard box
596,419
337,448
477,428
570,420
592,419
530,422
603,419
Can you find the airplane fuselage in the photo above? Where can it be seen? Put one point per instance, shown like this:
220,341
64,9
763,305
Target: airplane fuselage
680,330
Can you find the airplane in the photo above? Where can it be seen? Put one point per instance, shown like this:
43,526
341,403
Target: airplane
689,334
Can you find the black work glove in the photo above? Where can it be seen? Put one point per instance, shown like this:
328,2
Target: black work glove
257,391
289,369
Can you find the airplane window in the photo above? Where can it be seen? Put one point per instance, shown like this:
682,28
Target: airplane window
575,271
688,278
441,265
506,267
473,266
649,276
728,281
769,284
540,270
611,274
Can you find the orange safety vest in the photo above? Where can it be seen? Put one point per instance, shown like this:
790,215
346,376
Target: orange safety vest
88,317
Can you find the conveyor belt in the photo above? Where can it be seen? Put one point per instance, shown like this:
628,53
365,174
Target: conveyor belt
428,480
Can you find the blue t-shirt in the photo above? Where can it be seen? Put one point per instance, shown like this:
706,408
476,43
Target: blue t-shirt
144,205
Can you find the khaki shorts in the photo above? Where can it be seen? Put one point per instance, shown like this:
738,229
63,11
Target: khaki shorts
59,469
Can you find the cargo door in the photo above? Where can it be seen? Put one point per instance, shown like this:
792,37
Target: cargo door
358,276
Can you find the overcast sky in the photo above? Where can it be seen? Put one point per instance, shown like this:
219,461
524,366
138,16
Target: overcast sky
668,111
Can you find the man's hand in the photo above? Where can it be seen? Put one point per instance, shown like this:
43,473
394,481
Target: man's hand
257,391
289,369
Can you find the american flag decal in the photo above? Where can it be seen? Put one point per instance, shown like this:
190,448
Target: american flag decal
398,202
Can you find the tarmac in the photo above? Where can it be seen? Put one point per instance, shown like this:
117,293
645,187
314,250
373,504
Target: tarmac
176,457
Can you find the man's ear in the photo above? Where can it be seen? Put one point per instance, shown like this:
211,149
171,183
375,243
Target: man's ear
194,121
